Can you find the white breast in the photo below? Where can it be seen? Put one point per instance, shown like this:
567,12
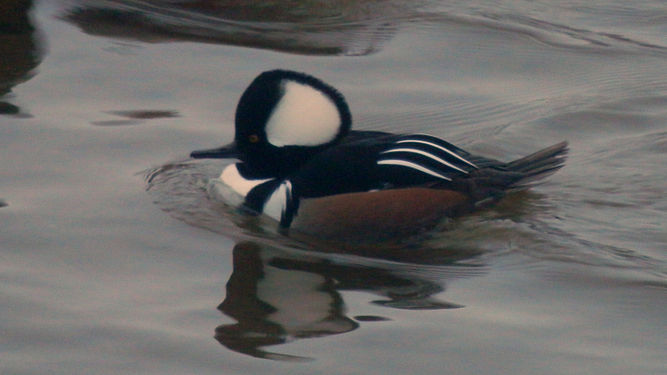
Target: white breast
232,188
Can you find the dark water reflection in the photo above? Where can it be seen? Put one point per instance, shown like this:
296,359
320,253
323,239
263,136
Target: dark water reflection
20,50
303,27
331,27
135,117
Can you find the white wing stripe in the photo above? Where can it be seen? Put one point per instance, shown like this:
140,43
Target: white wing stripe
425,154
439,147
418,167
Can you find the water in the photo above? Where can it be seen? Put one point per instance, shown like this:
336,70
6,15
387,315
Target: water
113,259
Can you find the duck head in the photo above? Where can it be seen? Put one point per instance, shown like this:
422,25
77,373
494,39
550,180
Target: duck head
282,120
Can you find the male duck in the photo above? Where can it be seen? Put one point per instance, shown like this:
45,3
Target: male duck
302,165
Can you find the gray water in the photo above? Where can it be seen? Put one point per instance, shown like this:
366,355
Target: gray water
114,260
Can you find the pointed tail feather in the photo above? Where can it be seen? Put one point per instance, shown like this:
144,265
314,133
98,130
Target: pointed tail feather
538,165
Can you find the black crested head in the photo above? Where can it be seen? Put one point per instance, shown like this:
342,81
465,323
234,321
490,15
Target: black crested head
285,117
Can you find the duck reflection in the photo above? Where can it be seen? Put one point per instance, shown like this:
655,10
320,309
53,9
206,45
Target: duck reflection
284,289
319,27
19,49
277,296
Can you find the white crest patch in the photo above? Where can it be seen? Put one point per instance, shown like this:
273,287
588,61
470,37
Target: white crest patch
304,116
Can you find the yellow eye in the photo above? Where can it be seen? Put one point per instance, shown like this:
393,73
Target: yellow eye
253,138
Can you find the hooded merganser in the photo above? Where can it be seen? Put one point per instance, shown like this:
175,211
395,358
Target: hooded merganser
303,166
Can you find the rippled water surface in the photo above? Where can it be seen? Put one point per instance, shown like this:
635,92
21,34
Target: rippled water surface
114,259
